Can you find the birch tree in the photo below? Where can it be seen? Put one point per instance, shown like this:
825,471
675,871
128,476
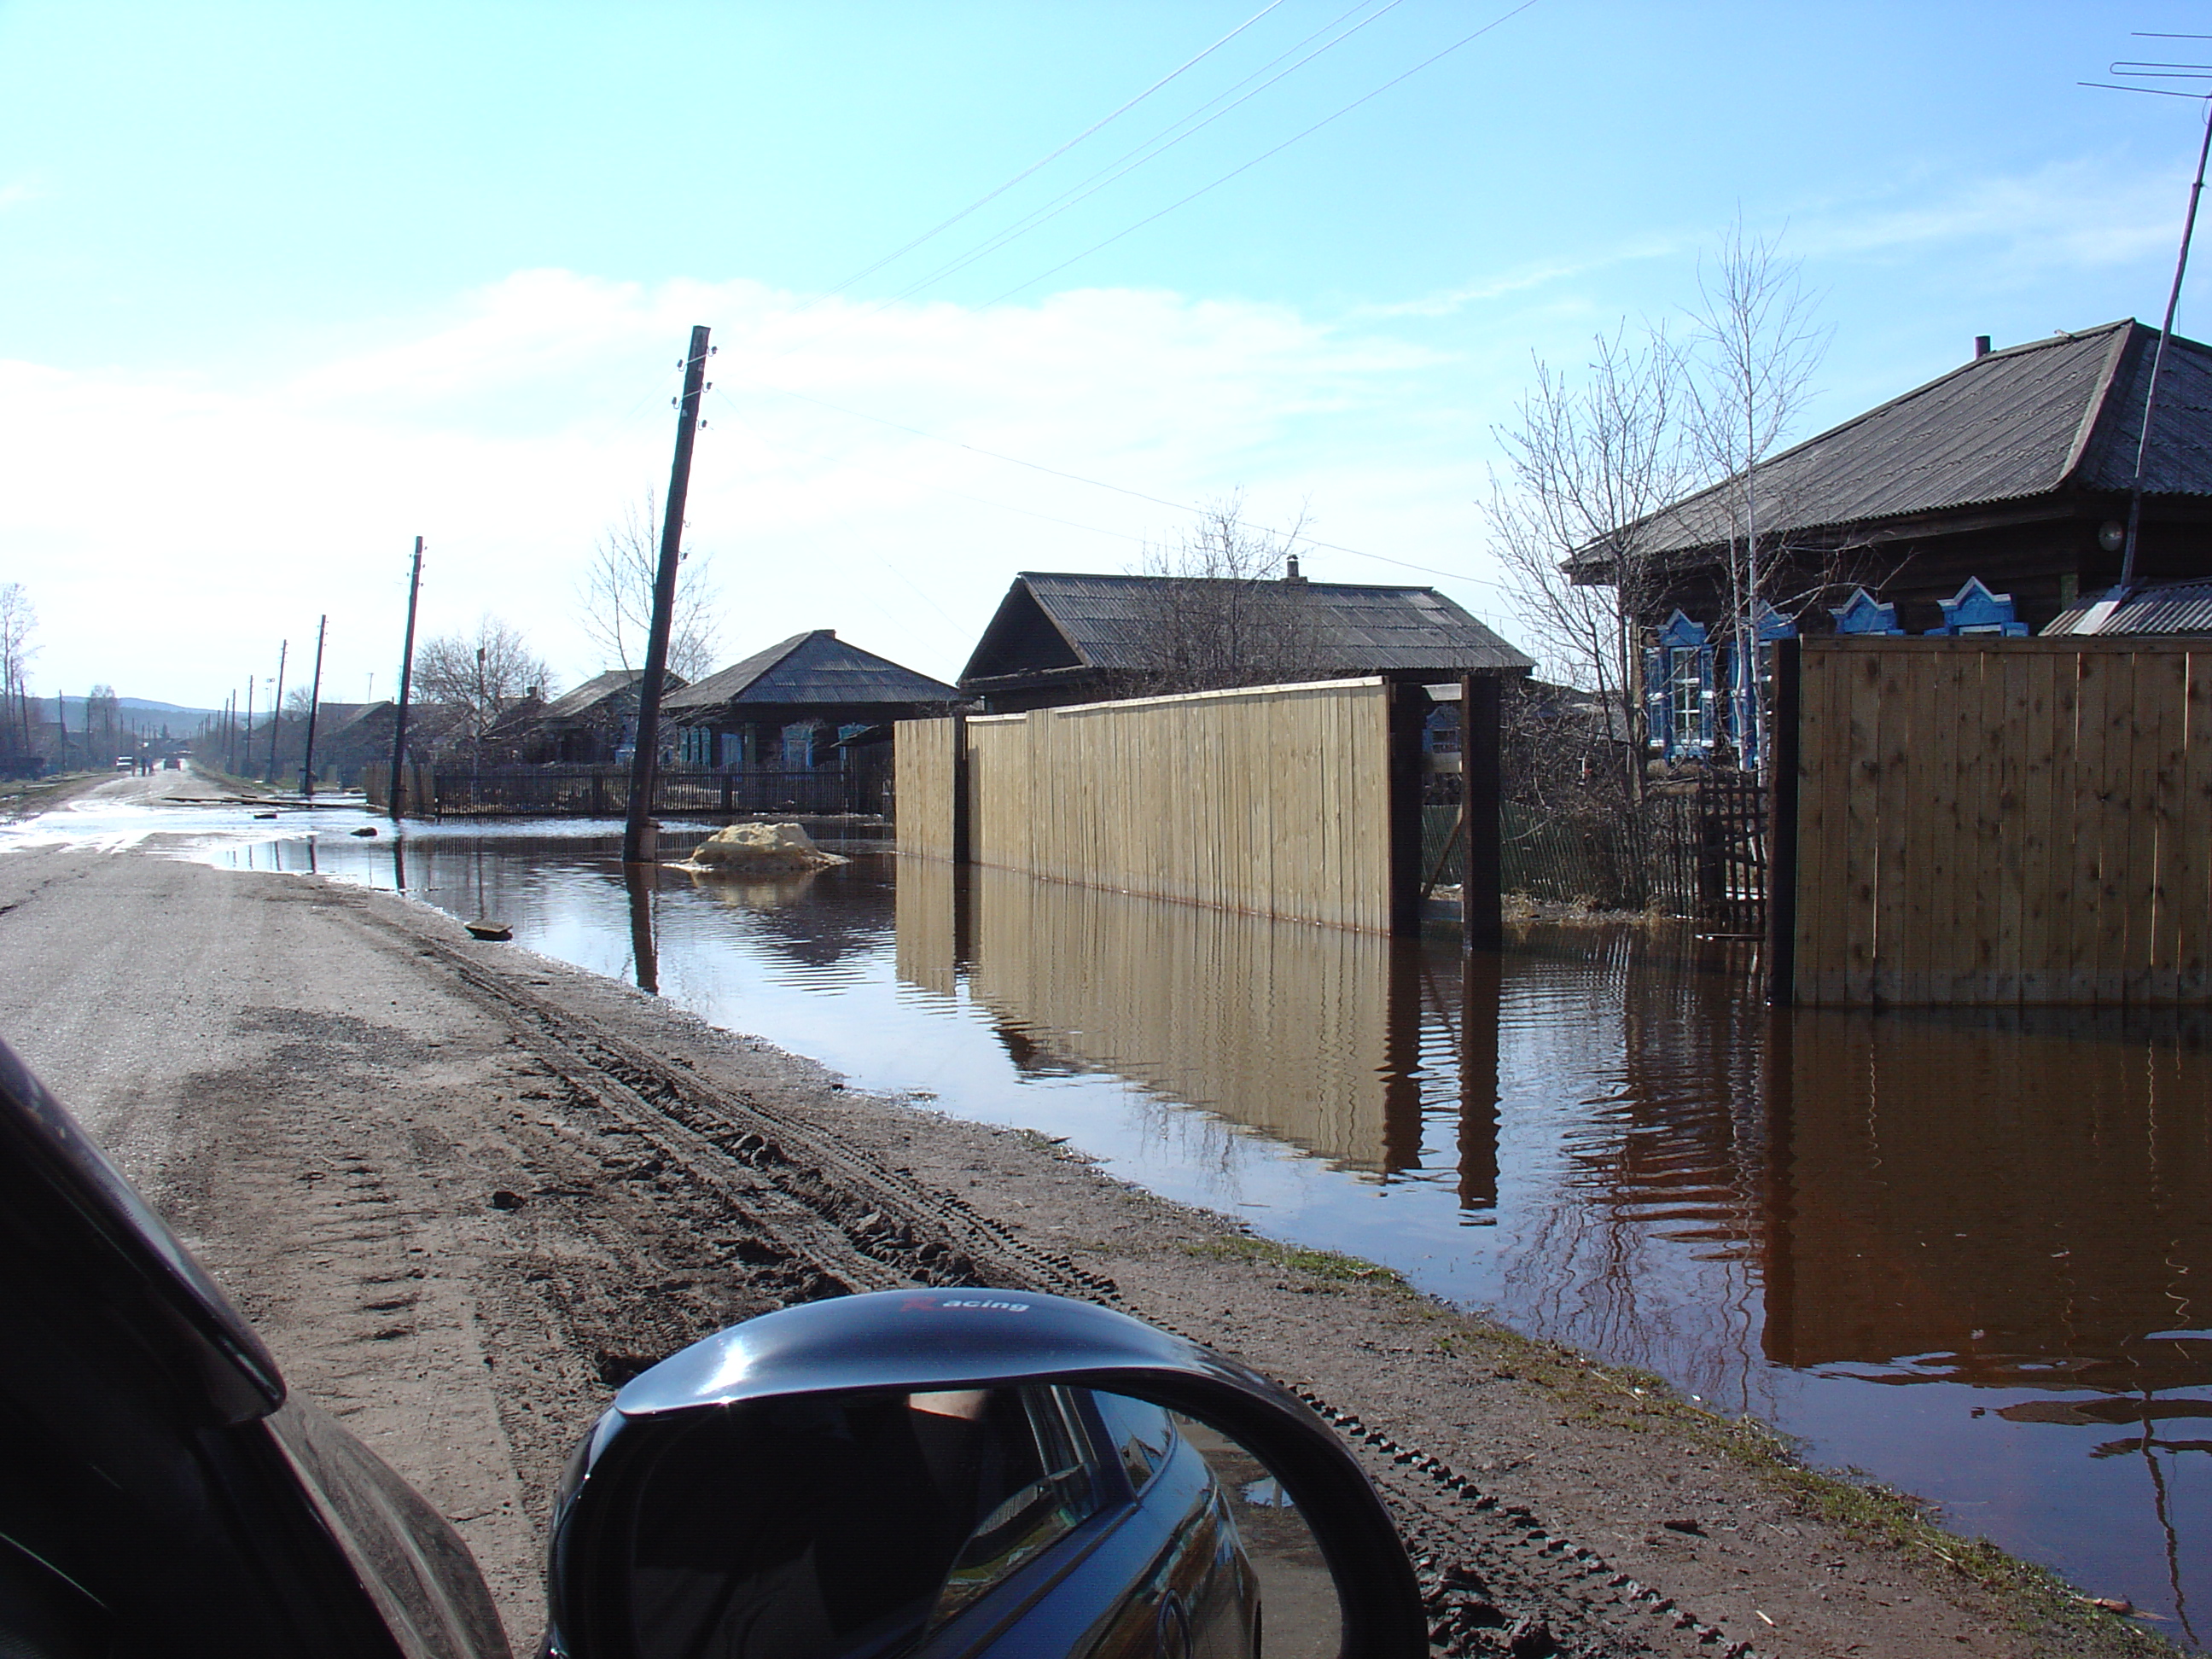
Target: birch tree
18,618
615,597
1587,461
1756,347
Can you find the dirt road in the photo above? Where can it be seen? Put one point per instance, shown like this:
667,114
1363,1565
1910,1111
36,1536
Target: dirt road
466,1192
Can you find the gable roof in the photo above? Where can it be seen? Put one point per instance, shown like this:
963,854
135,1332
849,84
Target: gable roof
814,667
2062,413
574,705
1062,620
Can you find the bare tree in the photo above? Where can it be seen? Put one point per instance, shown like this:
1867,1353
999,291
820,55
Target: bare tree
18,618
479,675
615,597
1221,613
1587,462
102,715
1757,348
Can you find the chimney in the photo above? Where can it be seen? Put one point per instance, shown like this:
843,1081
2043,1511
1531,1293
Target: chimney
1291,574
1981,347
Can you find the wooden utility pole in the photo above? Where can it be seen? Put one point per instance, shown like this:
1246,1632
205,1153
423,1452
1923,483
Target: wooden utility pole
245,738
314,700
398,789
277,712
640,844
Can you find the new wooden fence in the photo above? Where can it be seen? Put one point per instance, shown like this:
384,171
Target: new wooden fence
1275,800
926,770
1994,821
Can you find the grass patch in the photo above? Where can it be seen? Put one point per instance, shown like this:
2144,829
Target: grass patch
1328,1265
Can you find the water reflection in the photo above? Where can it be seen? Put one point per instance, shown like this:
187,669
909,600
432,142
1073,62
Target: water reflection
1961,1251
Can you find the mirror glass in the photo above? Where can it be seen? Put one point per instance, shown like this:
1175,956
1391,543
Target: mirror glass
1034,1520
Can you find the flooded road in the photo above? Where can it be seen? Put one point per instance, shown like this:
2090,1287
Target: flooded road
1964,1253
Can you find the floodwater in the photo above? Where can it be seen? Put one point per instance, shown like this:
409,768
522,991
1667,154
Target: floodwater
1968,1253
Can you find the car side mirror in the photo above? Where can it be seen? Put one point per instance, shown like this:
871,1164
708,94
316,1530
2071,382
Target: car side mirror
937,1473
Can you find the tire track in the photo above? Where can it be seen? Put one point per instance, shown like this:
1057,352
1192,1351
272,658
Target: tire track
1495,1578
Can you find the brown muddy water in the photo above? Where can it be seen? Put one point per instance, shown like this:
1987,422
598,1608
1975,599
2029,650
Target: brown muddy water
1969,1254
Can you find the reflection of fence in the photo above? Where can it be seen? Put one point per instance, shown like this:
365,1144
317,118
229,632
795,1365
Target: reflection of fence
602,791
1295,1031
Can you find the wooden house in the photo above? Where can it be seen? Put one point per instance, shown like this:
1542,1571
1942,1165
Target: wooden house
1060,638
1994,498
591,726
805,705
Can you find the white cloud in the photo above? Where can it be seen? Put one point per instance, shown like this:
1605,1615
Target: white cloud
172,530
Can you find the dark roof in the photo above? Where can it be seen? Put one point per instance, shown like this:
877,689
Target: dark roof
2054,414
1107,622
816,667
2158,608
574,705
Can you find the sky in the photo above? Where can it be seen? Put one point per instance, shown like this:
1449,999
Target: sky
285,286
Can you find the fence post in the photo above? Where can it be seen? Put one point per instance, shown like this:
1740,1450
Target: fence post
1782,828
959,836
1408,712
1482,874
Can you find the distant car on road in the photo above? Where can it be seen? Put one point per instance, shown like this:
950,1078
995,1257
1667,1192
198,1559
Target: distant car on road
172,764
127,763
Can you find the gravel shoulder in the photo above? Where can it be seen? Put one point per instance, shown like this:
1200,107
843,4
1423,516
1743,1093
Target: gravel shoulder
466,1192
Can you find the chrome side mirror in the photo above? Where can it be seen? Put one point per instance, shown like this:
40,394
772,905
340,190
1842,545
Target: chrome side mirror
966,1472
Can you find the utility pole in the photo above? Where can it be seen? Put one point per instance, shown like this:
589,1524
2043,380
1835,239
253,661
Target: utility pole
277,712
406,676
2157,363
639,842
314,699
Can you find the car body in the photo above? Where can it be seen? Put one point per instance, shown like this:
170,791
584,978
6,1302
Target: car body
163,1495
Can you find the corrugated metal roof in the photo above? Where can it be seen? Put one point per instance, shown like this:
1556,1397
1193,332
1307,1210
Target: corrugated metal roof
2164,608
2019,422
1111,621
815,667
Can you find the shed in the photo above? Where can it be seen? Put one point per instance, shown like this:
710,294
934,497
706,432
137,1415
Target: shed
1060,637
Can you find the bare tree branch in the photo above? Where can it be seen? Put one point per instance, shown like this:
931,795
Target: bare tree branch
614,597
1587,464
1220,613
479,675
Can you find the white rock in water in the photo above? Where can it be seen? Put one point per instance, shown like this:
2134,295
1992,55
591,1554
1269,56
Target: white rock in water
762,847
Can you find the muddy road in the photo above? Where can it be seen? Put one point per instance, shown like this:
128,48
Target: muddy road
466,1193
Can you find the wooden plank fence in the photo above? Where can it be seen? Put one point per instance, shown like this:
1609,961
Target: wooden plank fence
1273,801
1993,820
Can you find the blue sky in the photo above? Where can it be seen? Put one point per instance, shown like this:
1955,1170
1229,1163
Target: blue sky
286,285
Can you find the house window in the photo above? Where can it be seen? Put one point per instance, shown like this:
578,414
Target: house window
1687,688
733,752
799,747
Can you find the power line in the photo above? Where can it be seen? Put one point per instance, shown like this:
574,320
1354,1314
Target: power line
1158,145
1101,483
1127,230
991,195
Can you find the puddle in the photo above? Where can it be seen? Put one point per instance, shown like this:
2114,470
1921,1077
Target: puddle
1966,1253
